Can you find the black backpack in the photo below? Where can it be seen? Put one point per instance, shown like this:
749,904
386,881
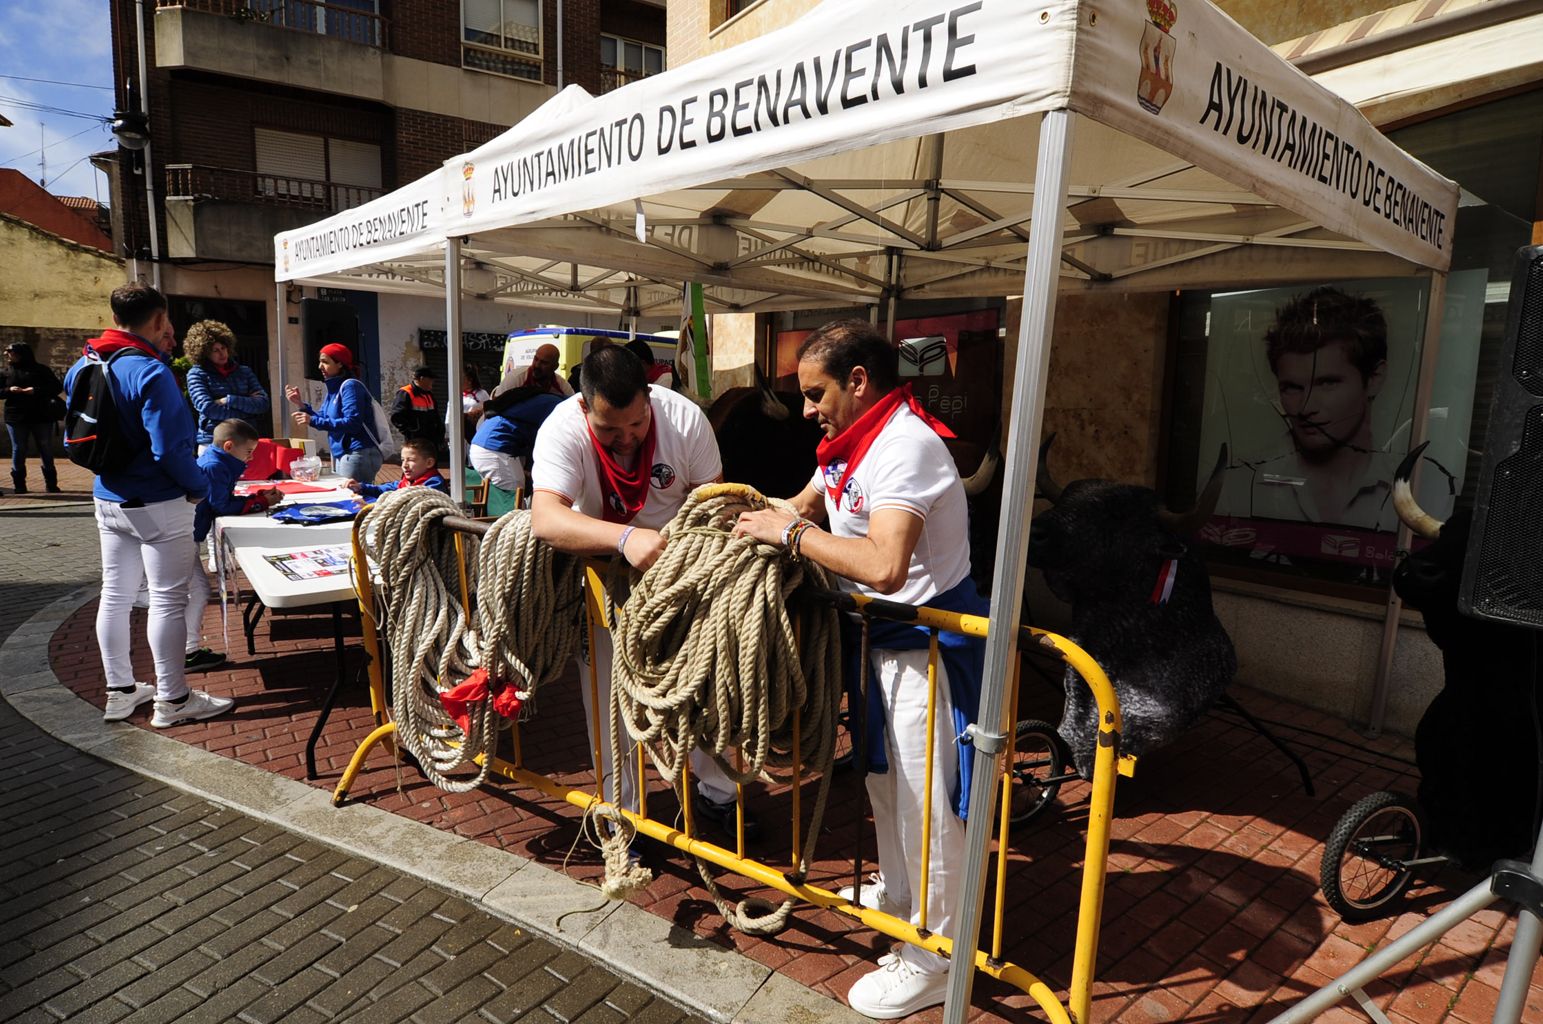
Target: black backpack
94,434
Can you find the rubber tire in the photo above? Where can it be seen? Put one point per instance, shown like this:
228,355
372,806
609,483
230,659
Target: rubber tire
1389,807
1045,740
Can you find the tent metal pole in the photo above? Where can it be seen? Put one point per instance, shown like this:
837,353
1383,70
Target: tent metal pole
890,277
453,367
279,403
1430,353
1040,282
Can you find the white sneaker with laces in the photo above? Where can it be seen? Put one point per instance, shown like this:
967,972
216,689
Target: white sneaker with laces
198,706
897,989
121,703
874,896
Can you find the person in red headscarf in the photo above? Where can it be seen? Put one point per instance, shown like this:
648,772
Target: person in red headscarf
347,415
898,527
612,466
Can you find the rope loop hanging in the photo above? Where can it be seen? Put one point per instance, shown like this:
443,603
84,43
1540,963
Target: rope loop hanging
707,655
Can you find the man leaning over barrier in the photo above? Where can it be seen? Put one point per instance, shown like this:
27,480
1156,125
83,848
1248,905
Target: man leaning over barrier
612,465
898,527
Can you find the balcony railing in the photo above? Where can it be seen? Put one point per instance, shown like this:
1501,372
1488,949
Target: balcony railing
191,181
615,78
354,23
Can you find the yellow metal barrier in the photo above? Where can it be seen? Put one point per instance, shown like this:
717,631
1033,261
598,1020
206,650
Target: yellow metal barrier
1108,765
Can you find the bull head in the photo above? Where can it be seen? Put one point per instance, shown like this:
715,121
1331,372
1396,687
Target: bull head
1181,524
1421,522
976,483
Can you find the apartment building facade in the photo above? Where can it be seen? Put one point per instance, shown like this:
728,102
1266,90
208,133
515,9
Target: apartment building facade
1133,389
266,115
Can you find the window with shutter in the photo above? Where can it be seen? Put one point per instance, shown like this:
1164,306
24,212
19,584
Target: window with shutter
354,171
291,165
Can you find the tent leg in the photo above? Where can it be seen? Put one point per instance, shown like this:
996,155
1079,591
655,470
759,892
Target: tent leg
1430,353
453,367
1040,283
279,403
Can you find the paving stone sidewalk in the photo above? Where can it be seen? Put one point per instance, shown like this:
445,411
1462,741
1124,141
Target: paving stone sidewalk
127,900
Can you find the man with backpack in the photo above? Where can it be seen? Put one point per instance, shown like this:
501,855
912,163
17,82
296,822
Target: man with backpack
129,424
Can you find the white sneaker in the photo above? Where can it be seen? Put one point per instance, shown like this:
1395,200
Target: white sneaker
874,896
121,703
897,989
198,706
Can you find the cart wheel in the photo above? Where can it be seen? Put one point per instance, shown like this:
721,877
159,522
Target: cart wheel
1364,865
1036,758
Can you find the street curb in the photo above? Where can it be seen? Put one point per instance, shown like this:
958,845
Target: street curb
699,975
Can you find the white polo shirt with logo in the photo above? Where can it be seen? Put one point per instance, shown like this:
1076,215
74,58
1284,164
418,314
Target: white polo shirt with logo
908,467
685,457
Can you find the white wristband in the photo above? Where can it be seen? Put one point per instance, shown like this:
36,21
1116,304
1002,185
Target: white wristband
621,543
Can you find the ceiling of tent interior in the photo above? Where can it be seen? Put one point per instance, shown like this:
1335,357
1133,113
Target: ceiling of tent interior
940,216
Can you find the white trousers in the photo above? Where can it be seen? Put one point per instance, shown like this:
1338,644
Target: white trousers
504,471
897,796
154,544
711,782
198,600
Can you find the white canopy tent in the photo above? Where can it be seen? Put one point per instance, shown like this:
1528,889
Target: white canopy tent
882,148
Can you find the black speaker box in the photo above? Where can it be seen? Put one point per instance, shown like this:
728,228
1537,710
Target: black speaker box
324,322
1503,570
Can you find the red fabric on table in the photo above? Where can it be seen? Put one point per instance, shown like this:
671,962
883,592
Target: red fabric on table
282,486
268,459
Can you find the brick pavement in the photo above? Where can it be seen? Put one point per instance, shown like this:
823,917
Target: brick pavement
1212,913
128,900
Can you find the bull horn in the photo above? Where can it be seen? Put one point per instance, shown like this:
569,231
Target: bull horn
1421,522
1184,524
1044,483
771,406
976,483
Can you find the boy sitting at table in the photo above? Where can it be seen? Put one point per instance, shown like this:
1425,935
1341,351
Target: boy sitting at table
420,468
223,462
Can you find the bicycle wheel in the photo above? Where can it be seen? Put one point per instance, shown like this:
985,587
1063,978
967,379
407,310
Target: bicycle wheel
1364,866
1037,760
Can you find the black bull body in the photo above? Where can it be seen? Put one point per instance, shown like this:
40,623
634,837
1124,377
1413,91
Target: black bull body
1105,548
1476,745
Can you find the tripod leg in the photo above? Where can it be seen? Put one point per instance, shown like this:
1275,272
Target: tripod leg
1227,701
1523,960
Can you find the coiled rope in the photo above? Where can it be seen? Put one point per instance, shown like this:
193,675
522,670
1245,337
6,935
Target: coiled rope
523,631
707,656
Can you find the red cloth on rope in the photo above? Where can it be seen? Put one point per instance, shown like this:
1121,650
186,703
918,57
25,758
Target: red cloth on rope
474,688
853,442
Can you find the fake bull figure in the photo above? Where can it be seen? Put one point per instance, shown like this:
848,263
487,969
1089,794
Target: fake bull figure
1141,606
1476,745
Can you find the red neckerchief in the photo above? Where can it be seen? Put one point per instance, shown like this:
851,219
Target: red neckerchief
418,480
657,370
853,442
625,490
230,367
113,340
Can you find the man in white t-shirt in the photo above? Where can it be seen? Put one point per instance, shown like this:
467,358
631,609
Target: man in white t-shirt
612,466
898,527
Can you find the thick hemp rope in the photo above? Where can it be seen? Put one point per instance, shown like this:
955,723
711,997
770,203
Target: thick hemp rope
522,633
707,656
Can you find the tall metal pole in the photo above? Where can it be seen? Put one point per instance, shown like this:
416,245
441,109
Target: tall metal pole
144,108
1425,384
280,402
1040,282
453,367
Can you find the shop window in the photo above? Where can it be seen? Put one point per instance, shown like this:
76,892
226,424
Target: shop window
502,37
627,60
1314,432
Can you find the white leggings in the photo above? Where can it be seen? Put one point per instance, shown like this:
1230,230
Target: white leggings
711,782
897,796
153,543
504,471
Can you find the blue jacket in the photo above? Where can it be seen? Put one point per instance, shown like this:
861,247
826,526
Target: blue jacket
347,416
206,387
223,470
434,480
156,417
513,431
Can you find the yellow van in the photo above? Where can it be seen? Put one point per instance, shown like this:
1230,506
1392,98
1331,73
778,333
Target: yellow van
573,345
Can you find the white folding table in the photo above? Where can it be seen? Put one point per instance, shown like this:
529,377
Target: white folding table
250,540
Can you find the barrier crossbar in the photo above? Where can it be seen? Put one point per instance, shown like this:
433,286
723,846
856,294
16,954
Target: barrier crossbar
1108,764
